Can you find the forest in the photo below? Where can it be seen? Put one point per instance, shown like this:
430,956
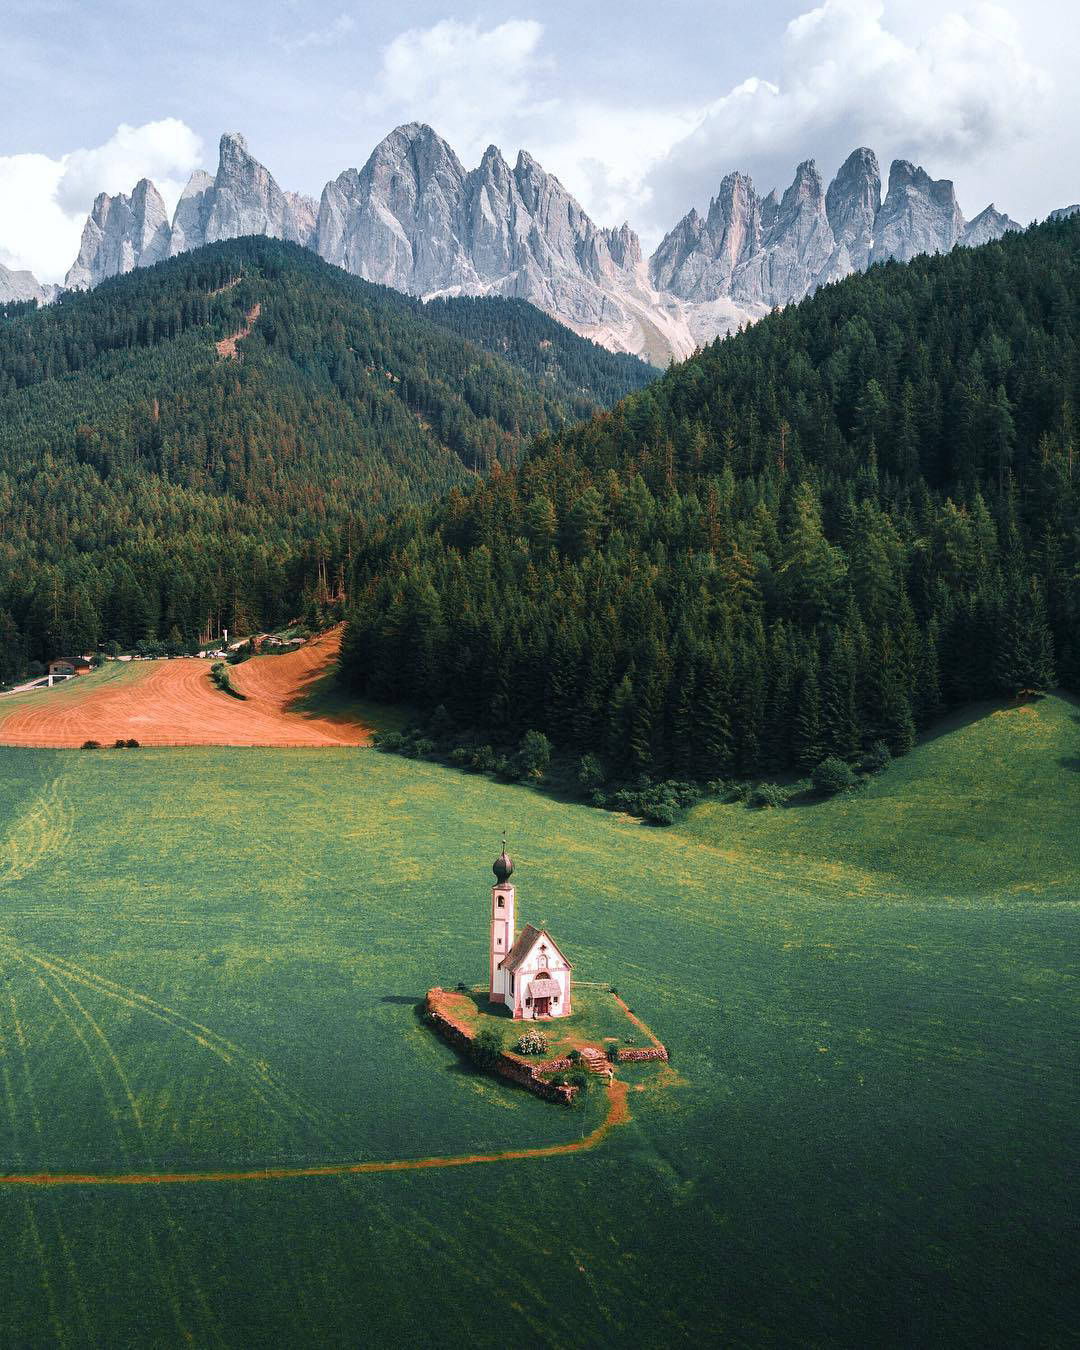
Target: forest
151,488
804,543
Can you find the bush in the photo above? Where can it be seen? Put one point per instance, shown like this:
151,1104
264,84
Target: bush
612,1053
120,743
877,758
220,677
659,810
132,743
574,1056
486,1047
91,745
533,757
388,740
768,794
833,775
483,759
591,774
461,758
532,1043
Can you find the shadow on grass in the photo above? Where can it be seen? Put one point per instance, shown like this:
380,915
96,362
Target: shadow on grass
808,797
964,717
325,697
483,1006
1071,761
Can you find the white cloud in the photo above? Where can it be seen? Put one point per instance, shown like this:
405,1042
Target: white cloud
44,202
958,93
471,84
319,37
480,86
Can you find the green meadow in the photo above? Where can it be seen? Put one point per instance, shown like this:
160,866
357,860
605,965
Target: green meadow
210,959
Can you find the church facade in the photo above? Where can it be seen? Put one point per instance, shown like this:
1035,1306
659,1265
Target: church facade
528,971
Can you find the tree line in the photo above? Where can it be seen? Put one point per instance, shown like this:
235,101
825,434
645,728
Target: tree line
150,489
813,537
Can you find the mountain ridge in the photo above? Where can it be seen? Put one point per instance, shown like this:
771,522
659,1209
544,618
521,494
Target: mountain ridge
414,218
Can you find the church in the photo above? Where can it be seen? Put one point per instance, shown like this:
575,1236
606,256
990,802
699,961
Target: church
528,971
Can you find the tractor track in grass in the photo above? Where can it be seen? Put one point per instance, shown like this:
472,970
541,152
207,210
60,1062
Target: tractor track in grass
617,1114
174,703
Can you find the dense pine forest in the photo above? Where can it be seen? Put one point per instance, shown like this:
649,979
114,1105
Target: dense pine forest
152,488
805,542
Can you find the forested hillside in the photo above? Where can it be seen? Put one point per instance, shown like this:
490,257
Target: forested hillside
150,484
813,536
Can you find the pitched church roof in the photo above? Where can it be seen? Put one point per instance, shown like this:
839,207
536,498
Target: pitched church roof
526,941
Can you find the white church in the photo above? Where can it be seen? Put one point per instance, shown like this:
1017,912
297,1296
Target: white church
528,971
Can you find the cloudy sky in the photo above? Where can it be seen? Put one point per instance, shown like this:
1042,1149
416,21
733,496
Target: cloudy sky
639,108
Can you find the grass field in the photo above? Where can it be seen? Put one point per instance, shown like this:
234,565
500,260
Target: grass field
868,1135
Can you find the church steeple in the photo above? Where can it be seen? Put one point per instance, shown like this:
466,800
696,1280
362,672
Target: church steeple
502,924
503,865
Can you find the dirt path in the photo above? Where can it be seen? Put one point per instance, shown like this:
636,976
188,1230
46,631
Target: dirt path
175,703
638,1022
618,1114
227,346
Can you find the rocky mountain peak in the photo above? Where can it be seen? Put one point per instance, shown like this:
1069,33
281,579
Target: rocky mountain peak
245,197
807,187
919,215
989,224
189,219
23,285
120,233
852,203
624,247
414,219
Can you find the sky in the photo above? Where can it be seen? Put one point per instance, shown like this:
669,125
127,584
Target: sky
639,108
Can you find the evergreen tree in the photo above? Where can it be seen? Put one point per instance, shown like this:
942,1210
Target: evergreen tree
1025,652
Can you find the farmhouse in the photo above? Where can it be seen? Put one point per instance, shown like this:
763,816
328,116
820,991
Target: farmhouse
66,670
529,973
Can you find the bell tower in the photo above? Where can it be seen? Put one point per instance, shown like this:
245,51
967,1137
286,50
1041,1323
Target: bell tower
502,923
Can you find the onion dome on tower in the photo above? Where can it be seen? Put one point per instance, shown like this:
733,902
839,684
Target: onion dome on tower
502,866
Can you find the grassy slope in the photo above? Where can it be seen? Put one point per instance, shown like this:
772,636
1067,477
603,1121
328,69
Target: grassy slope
870,1140
989,805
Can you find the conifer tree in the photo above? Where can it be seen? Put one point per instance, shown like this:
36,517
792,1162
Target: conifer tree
1025,651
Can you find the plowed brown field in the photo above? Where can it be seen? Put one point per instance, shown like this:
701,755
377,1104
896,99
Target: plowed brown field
175,703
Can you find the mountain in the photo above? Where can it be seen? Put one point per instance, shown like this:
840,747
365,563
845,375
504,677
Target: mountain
24,286
757,253
121,232
919,215
988,225
210,434
416,219
242,198
852,204
797,544
1063,212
